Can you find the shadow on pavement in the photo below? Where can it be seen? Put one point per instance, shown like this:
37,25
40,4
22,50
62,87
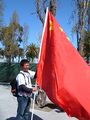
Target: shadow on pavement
35,117
53,106
49,105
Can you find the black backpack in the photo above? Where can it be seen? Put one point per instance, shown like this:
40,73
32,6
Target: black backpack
14,86
14,89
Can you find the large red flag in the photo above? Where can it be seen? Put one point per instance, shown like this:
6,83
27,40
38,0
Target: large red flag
63,73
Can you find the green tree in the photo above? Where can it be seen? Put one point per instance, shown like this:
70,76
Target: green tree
32,52
11,37
7,42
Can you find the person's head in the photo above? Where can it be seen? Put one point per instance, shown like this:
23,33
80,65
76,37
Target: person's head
24,64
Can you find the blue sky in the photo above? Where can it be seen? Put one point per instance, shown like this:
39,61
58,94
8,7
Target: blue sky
24,9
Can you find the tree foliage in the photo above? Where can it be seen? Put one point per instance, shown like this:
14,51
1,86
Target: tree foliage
32,52
11,37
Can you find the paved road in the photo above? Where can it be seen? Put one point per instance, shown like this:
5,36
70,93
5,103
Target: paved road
8,106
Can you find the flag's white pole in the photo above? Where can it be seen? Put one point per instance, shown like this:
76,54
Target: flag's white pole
38,60
43,34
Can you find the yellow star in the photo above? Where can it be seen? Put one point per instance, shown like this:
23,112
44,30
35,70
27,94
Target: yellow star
51,26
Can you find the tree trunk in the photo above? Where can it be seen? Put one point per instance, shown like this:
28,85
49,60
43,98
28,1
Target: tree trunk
82,20
41,8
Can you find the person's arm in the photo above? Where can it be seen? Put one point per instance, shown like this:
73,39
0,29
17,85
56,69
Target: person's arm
23,88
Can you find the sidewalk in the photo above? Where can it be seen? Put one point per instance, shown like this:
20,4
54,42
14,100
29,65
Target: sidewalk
8,107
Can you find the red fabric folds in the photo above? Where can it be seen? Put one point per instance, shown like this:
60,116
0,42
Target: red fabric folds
63,73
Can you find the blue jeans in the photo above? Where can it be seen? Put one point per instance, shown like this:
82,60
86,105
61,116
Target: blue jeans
23,108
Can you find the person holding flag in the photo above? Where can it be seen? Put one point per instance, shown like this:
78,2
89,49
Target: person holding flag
25,90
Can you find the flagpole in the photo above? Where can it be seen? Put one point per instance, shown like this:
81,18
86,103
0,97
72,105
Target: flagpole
39,59
43,33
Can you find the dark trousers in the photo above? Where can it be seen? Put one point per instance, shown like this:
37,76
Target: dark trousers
23,108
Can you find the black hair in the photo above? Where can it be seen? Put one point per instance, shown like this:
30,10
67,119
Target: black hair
23,61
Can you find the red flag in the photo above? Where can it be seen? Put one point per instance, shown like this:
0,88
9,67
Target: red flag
63,73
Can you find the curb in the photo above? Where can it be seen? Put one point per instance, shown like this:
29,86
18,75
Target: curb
3,83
